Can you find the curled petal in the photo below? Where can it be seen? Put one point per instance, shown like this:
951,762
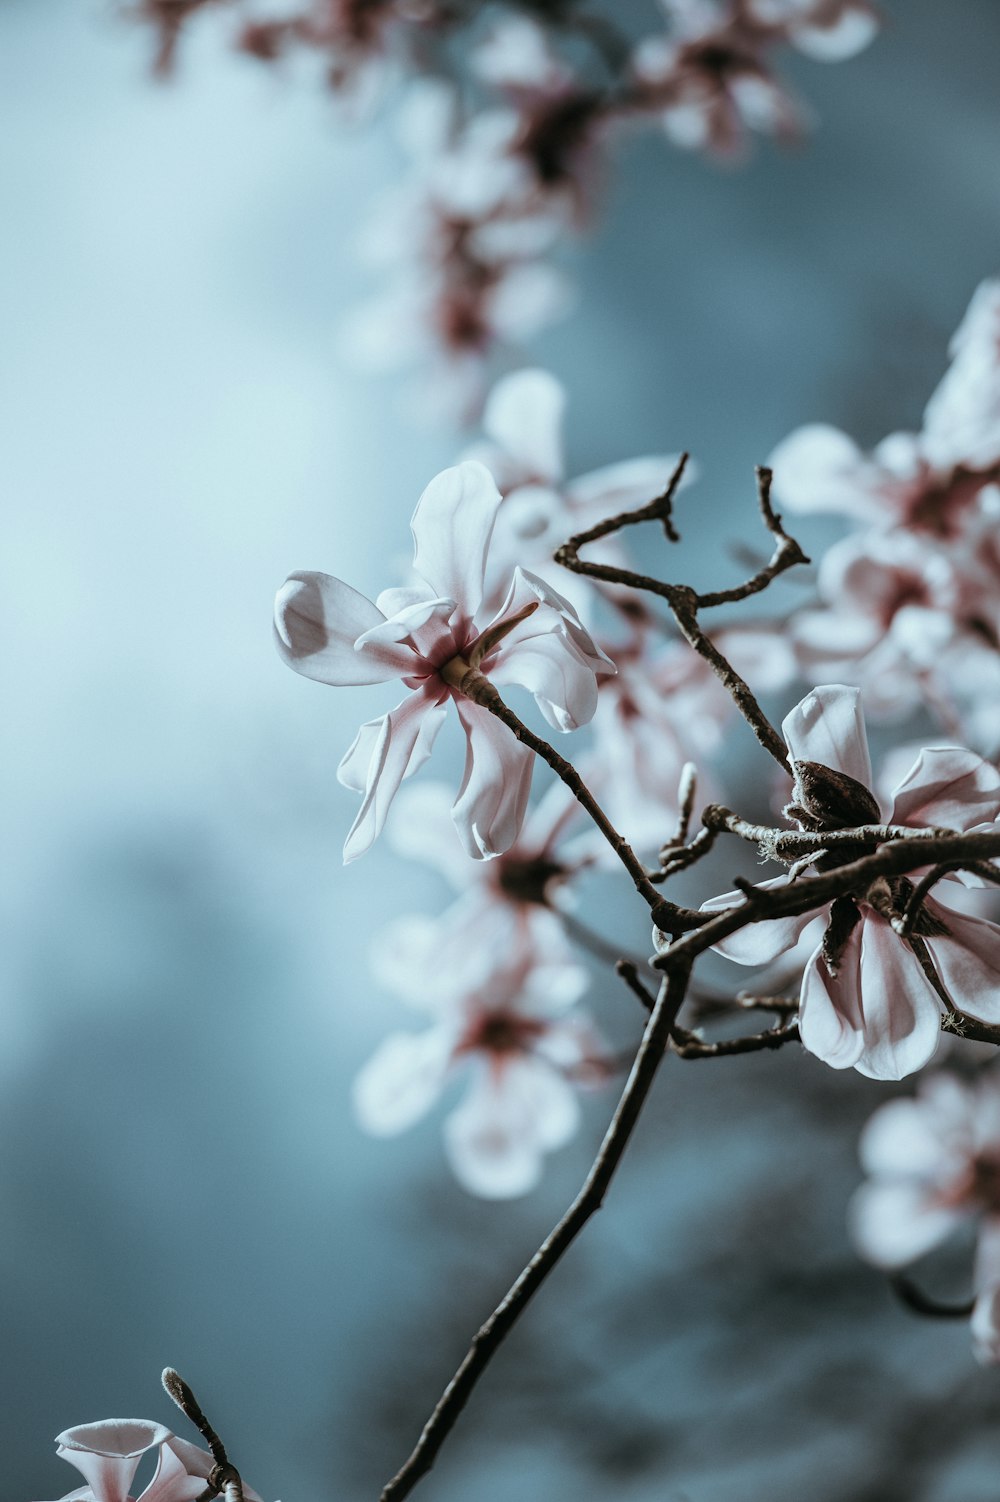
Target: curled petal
512,1115
562,683
968,962
493,797
901,1012
318,619
950,787
384,752
758,943
524,415
423,626
107,1454
402,1080
197,1463
452,527
827,726
831,1022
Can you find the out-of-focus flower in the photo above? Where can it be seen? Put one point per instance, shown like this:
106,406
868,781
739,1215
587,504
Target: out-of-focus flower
866,1000
909,606
523,450
108,1454
427,636
934,1165
504,1021
665,708
503,901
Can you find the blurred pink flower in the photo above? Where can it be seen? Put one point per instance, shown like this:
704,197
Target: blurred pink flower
934,1164
108,1455
865,999
523,450
427,636
504,1020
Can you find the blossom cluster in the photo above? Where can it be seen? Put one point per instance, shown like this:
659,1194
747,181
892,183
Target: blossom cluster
909,600
108,1454
503,161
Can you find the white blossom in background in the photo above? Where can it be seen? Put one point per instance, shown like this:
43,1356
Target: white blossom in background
515,898
506,1023
910,603
108,1455
427,636
523,449
933,1166
865,1000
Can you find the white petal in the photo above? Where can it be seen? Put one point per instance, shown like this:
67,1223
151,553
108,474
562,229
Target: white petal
562,683
318,619
524,415
902,1013
511,1116
451,527
391,748
402,1080
950,787
852,31
830,1017
894,1223
758,943
493,798
818,468
423,627
968,962
828,727
918,1138
107,1454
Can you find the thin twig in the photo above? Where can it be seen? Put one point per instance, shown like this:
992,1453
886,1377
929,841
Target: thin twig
689,1045
223,1477
904,925
590,1198
686,602
630,975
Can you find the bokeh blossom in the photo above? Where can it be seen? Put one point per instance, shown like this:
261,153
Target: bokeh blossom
934,1166
427,636
507,1023
866,1001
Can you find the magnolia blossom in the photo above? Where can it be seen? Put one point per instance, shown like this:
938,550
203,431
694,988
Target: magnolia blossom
523,450
108,1454
665,708
934,1166
428,637
504,1022
513,899
865,1000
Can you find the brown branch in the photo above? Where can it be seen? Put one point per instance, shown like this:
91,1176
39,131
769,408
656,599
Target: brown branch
904,925
491,1335
685,603
790,845
689,1045
223,1477
630,975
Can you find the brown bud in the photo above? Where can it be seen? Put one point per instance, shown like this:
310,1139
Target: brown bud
825,799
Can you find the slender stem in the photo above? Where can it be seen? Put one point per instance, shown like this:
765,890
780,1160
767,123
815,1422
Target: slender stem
188,1404
490,1336
689,1046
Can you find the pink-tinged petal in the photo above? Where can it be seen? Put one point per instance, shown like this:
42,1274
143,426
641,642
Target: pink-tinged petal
968,962
561,682
524,415
902,1013
512,1115
894,1222
830,1017
390,749
402,1080
198,1464
423,627
452,527
553,613
818,468
317,620
758,943
852,31
950,787
107,1454
493,797
173,1482
827,726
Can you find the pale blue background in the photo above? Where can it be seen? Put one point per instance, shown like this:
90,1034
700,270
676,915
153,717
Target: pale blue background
185,997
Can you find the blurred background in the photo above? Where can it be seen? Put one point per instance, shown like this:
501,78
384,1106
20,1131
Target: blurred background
185,992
